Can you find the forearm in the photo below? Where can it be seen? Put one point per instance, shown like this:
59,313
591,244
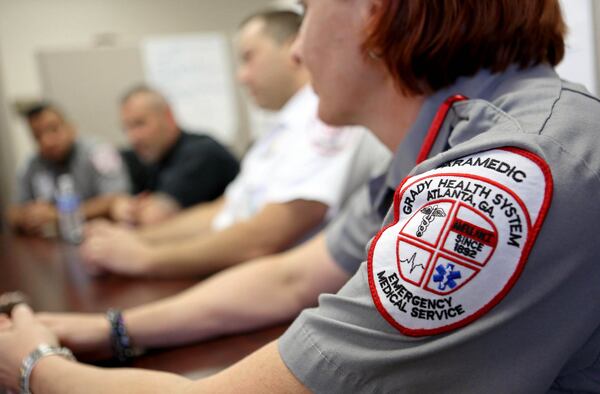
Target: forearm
273,229
261,372
98,206
240,299
203,255
257,294
58,375
190,222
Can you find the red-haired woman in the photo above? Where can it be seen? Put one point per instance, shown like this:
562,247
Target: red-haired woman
484,277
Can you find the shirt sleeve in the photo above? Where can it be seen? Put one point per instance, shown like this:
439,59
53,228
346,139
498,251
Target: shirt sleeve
349,233
202,173
22,182
327,165
543,334
109,170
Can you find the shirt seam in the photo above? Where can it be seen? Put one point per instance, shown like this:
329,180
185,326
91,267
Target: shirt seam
574,157
335,366
499,112
596,99
314,344
558,143
541,130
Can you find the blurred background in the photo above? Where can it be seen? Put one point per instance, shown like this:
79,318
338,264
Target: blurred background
82,54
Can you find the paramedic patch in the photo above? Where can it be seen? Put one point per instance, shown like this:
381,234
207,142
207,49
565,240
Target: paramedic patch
459,241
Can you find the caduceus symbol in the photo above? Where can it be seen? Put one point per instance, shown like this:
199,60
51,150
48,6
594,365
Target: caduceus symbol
430,213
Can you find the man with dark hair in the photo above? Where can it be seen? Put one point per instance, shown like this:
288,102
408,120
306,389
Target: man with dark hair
172,169
96,170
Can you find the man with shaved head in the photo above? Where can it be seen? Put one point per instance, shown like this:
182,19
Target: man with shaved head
170,168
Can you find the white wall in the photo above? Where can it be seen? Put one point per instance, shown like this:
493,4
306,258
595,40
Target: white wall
580,64
28,26
5,156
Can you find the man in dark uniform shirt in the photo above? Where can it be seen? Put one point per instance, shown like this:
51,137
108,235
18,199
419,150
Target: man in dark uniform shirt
170,168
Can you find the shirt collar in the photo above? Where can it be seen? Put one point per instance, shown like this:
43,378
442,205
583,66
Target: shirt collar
299,107
484,85
65,164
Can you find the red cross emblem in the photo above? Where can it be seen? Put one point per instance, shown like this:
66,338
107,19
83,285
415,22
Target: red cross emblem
444,245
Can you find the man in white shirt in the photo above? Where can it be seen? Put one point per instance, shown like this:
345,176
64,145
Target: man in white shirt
292,179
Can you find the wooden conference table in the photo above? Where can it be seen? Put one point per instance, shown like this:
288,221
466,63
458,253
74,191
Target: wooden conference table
50,274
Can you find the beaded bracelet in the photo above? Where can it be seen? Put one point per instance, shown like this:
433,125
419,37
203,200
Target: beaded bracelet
32,359
120,340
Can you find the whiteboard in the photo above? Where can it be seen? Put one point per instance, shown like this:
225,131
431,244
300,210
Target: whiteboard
194,72
88,83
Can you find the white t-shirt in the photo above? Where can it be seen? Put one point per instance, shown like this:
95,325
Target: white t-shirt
301,159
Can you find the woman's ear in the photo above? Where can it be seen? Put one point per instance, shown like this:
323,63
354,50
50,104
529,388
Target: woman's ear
375,6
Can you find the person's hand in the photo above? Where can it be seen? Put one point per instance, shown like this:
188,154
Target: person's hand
19,336
155,208
83,333
115,249
143,209
37,216
96,226
123,210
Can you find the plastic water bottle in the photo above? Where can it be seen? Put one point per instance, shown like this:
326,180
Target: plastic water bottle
70,221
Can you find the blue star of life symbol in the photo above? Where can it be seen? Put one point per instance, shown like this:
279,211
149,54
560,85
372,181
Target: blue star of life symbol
446,276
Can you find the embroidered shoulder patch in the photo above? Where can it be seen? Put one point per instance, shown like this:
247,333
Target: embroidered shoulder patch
459,241
106,160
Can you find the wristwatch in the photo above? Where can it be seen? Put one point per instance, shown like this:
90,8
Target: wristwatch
32,359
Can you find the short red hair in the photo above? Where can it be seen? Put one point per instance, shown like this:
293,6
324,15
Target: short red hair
427,44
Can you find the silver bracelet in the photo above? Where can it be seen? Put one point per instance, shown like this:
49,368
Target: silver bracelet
32,359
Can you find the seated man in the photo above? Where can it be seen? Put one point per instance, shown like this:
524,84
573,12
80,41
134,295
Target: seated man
292,179
97,173
170,169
